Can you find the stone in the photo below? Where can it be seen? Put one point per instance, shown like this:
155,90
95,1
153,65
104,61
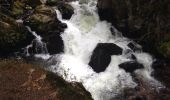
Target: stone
13,35
66,10
134,47
145,21
38,47
110,48
53,2
54,44
101,56
46,24
131,66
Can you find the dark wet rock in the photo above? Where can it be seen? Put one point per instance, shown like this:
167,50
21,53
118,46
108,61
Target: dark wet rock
162,71
46,24
99,61
101,56
110,48
66,10
54,43
33,3
38,47
131,66
53,2
13,35
56,2
133,57
134,47
133,18
158,64
145,21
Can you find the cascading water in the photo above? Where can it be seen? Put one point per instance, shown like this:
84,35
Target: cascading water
40,47
84,32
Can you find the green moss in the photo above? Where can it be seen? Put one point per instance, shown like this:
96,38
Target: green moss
13,36
164,49
18,8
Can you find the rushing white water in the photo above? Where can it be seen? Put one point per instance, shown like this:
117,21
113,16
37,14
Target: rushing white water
84,32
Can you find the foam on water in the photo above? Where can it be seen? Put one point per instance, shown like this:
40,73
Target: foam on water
84,32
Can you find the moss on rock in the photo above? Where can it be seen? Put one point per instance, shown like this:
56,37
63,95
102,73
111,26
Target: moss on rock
13,36
164,49
18,8
42,20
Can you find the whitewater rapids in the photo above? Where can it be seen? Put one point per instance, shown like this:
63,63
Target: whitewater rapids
84,32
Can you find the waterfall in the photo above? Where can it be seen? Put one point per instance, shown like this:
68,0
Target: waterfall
37,44
84,32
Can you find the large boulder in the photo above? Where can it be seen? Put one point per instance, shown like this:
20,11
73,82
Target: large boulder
18,8
66,10
43,20
13,36
101,56
131,66
145,21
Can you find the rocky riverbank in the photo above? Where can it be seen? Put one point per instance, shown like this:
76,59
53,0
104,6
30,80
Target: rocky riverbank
21,80
40,16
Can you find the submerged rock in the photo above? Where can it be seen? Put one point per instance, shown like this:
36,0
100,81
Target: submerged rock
13,35
38,47
101,56
134,47
131,66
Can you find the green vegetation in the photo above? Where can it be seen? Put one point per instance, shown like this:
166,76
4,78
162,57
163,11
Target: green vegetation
164,48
